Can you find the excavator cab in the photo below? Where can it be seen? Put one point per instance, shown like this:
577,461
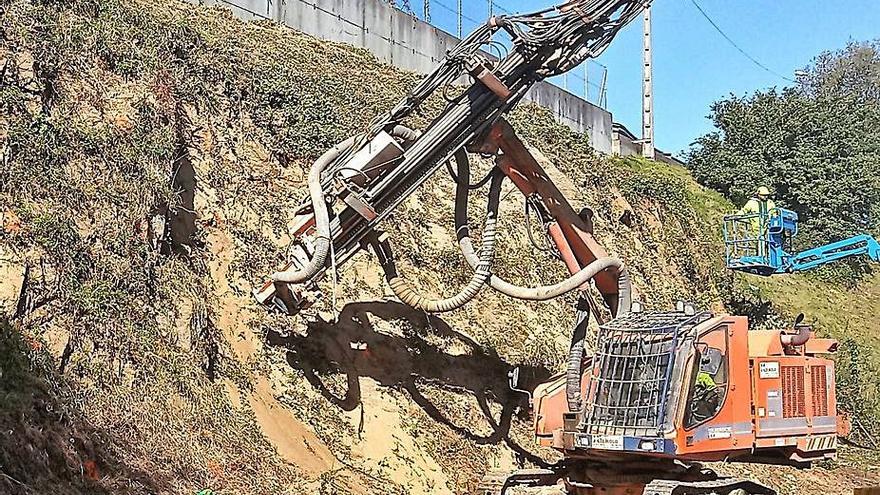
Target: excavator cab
656,375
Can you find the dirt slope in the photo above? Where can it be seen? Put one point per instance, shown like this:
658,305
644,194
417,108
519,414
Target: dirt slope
153,154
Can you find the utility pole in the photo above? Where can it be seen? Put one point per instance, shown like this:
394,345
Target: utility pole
647,91
460,15
427,11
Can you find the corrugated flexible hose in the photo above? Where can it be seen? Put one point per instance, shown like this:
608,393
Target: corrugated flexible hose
322,218
410,297
574,368
541,293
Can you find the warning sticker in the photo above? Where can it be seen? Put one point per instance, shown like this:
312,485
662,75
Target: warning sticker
769,369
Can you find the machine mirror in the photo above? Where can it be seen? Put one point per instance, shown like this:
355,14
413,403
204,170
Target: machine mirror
513,377
799,319
513,382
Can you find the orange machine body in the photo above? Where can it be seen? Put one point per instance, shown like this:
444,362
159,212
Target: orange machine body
776,404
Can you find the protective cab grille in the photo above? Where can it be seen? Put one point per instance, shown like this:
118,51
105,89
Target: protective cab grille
633,367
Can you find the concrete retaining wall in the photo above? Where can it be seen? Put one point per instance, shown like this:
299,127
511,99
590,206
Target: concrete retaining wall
623,142
409,43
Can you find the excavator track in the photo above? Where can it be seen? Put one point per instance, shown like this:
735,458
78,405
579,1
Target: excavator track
506,483
721,486
500,482
492,483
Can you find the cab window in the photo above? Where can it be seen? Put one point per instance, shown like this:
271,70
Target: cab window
709,381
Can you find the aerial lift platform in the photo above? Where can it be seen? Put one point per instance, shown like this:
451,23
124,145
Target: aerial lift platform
761,244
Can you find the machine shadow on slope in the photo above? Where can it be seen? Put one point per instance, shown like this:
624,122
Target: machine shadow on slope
409,361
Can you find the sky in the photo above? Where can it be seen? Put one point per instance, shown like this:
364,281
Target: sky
693,64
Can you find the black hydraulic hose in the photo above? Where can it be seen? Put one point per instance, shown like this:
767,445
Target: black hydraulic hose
542,293
477,185
410,297
574,368
295,275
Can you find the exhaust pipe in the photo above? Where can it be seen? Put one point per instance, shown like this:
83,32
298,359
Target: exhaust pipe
802,334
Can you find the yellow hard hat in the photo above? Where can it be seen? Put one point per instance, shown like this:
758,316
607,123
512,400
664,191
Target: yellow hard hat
763,191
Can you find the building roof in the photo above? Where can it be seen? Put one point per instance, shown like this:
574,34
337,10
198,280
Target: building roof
621,130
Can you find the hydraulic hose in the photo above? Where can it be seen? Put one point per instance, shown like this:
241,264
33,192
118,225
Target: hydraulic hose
576,356
410,297
408,135
541,293
319,206
322,218
574,367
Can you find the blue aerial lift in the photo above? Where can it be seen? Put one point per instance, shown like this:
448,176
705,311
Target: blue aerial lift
760,243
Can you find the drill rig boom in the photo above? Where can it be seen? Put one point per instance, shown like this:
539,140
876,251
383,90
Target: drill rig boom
374,172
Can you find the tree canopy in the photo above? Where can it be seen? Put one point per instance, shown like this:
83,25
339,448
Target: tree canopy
817,145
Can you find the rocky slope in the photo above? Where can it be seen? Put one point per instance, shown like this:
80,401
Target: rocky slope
153,153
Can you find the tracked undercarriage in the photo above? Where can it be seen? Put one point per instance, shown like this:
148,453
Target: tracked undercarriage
609,479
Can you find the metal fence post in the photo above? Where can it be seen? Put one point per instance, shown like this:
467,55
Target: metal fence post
587,80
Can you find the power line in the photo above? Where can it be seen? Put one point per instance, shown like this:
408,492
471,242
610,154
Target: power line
753,59
502,9
454,11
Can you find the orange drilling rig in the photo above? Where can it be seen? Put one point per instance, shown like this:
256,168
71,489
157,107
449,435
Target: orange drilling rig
664,390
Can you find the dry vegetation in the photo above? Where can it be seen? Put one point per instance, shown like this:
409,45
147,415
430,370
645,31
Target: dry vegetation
152,156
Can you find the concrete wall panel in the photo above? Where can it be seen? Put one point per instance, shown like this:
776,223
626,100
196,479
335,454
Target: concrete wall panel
377,30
